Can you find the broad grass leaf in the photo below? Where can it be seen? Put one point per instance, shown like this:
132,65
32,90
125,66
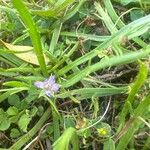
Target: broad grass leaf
135,87
69,122
32,95
15,84
136,14
33,32
135,123
55,11
25,53
63,142
109,145
84,93
126,2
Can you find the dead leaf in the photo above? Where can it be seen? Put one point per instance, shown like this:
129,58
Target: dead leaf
26,52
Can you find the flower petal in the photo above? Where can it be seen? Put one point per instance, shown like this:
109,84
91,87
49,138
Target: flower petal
39,84
48,93
55,87
51,79
48,85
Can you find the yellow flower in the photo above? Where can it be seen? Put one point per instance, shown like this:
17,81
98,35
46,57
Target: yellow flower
102,131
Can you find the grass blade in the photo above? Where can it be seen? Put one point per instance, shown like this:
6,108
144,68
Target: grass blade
135,123
63,141
114,38
33,32
119,22
89,92
117,60
141,77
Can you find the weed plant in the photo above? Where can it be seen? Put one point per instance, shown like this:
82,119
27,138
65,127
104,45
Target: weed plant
74,74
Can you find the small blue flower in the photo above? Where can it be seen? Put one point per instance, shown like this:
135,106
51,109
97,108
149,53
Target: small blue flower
49,86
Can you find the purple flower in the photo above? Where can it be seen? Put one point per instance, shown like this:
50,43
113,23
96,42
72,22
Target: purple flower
49,86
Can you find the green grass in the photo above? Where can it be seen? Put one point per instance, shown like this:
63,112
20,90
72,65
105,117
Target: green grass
99,55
